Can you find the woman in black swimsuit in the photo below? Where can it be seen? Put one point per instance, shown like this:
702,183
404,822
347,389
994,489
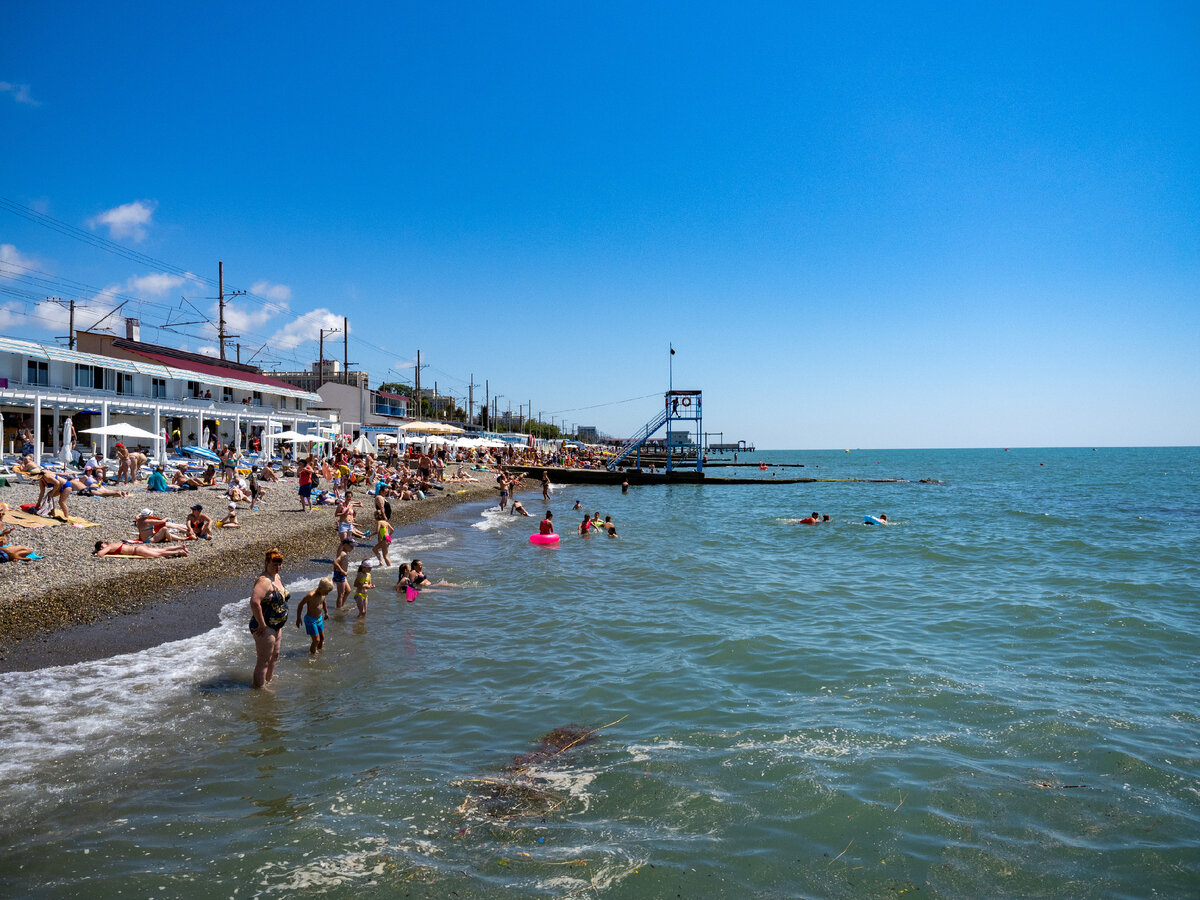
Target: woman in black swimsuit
268,615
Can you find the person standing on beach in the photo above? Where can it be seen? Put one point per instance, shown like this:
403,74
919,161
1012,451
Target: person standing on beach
268,615
306,476
314,610
345,517
545,485
341,572
383,530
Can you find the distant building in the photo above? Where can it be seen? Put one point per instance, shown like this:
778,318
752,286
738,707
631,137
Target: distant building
589,434
325,372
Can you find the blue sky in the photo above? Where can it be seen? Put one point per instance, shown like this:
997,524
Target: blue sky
868,225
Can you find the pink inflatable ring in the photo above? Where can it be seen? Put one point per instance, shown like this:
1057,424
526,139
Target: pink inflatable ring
544,540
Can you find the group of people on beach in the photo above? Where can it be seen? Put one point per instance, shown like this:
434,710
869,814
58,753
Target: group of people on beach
269,604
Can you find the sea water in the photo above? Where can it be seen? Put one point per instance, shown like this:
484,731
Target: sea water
994,695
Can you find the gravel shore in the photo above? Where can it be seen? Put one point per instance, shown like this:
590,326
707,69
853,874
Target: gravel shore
70,587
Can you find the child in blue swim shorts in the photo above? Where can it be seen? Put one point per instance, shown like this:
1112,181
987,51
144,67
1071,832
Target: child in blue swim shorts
313,610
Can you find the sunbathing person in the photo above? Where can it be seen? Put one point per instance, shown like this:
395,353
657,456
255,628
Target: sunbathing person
184,481
199,525
230,520
90,487
14,551
154,529
131,548
266,473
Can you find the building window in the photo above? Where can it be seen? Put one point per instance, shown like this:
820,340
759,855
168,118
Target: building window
158,388
194,388
83,376
38,372
124,383
227,394
258,398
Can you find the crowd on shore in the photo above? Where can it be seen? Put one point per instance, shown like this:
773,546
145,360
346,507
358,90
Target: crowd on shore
176,549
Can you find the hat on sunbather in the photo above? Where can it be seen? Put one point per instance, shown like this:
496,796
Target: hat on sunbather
146,512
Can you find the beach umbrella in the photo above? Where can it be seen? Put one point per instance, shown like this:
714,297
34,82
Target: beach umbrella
123,429
363,445
431,428
297,437
202,453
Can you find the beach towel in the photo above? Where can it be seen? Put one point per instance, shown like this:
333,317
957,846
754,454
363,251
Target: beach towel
74,520
28,519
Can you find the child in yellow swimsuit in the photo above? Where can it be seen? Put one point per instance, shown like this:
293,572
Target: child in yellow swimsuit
362,584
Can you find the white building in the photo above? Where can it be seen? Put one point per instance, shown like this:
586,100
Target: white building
156,388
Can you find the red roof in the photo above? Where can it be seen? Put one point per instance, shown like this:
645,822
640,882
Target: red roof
213,369
392,396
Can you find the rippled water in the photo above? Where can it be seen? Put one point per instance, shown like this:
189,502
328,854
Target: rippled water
993,696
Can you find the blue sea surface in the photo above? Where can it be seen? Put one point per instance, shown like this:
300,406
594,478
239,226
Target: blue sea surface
992,696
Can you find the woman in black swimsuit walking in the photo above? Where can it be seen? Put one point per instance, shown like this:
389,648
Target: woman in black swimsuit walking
268,615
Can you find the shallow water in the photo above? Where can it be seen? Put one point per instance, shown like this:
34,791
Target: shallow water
993,696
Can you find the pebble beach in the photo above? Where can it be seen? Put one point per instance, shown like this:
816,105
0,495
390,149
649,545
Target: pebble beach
42,601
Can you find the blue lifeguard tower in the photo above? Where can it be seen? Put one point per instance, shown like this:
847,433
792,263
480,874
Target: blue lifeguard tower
679,407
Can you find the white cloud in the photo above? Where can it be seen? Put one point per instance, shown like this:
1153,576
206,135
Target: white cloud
280,292
305,328
209,350
12,263
20,93
154,285
239,320
130,220
11,316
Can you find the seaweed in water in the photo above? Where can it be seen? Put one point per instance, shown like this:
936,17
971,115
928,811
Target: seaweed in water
518,794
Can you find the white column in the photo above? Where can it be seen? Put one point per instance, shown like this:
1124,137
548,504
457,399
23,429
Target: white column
37,428
103,424
57,431
160,444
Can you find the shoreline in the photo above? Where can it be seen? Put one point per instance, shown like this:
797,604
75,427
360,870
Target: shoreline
73,607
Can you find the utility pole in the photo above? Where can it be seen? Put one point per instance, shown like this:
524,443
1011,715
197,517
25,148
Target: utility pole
70,335
471,400
221,306
486,395
418,383
346,349
222,336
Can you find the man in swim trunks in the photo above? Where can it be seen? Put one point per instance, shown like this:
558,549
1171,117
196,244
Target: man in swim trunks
313,609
